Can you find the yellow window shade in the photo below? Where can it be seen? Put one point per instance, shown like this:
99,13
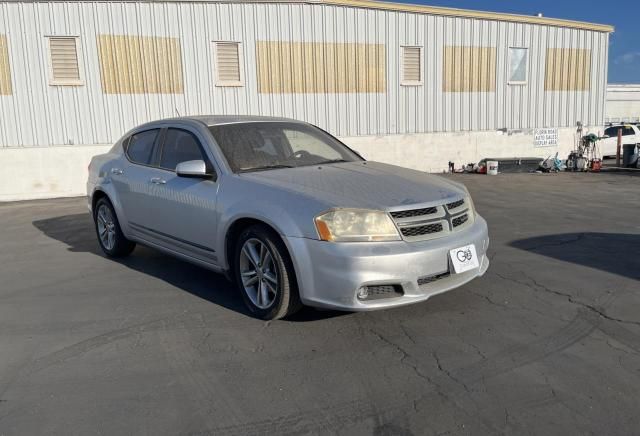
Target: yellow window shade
5,70
469,69
567,69
140,64
316,67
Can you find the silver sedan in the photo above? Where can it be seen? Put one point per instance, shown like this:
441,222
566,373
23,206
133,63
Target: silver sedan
288,212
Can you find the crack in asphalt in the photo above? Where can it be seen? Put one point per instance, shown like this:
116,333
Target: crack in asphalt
535,285
405,356
447,373
446,396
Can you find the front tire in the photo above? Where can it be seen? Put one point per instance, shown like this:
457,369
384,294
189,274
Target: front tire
110,236
265,275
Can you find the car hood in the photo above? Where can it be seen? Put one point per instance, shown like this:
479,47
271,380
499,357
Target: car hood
370,185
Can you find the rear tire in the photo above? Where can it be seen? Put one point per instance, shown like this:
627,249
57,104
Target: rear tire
110,236
264,274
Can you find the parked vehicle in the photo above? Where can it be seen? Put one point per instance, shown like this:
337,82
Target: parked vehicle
630,135
288,212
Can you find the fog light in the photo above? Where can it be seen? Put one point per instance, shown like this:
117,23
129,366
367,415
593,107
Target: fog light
363,293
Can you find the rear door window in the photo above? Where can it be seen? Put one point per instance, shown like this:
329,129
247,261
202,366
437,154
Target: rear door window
179,146
140,148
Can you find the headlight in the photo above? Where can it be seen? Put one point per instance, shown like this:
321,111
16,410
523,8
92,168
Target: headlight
356,225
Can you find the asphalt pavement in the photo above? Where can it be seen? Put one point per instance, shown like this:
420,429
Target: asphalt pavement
547,342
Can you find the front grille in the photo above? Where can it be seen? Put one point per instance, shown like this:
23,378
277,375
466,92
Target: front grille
378,292
458,221
434,278
414,212
455,204
421,224
421,230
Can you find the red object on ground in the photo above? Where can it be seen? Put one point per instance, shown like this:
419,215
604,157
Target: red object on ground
596,165
482,169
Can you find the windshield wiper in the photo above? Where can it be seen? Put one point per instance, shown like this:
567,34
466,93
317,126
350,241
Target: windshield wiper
331,161
265,167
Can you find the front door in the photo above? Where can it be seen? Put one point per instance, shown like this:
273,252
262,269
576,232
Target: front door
184,209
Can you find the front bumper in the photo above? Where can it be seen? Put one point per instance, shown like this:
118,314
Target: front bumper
330,274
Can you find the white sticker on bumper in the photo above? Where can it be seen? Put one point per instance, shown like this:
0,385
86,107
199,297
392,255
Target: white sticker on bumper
464,258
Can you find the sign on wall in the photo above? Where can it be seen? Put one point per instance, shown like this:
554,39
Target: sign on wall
545,137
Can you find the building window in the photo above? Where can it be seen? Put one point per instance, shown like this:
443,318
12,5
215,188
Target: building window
411,66
227,63
518,66
65,69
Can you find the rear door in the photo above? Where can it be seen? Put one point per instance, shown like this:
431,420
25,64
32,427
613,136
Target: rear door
131,178
184,209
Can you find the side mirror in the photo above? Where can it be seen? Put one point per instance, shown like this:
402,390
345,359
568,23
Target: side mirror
193,168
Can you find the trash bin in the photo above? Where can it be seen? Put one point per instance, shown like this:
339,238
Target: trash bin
628,154
492,167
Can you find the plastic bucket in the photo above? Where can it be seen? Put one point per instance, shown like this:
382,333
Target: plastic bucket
492,167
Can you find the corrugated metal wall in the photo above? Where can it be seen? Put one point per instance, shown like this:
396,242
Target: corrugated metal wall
39,114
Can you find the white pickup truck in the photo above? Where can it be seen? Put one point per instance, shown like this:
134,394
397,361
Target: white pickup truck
630,135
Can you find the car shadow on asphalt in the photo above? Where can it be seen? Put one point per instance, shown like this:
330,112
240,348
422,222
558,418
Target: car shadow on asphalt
615,253
77,232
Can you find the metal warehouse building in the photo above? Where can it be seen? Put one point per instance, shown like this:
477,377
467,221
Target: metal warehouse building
413,85
623,103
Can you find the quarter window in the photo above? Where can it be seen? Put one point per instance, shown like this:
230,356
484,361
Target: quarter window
518,65
179,146
140,148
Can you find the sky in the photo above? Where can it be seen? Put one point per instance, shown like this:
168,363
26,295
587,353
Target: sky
624,15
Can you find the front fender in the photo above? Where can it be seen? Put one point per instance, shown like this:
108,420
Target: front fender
273,216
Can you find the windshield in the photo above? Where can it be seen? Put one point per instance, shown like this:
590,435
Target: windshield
269,145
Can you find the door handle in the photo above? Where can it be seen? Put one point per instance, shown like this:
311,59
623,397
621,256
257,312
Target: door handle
158,181
116,171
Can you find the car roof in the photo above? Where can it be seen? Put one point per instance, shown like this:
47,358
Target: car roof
216,120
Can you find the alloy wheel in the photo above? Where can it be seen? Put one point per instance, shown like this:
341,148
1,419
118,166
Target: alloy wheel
106,227
258,273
